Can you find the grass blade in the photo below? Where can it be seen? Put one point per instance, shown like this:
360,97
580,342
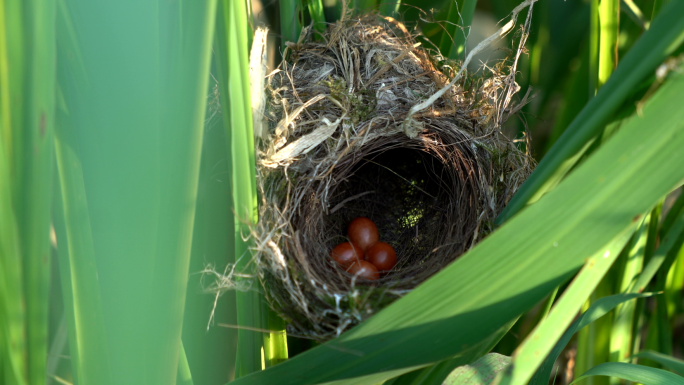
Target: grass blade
598,309
621,337
27,79
13,367
184,376
673,286
594,43
211,350
669,362
389,7
457,27
664,36
635,373
12,314
317,15
290,24
63,260
235,114
91,342
609,19
233,70
34,178
530,354
665,252
673,215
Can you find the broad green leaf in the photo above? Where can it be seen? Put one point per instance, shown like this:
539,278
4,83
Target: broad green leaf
530,354
636,373
134,79
481,372
670,362
664,37
516,266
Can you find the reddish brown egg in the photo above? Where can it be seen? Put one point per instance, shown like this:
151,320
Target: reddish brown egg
346,253
362,232
382,255
364,269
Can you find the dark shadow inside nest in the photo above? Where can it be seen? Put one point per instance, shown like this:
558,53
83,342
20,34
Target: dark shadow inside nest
422,198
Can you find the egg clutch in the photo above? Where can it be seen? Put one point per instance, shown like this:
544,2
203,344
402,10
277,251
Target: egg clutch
364,256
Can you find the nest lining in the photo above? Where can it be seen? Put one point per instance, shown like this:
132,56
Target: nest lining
344,141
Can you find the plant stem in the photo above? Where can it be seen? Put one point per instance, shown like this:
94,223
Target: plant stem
609,18
594,40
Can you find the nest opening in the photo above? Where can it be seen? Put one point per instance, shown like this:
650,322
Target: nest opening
421,194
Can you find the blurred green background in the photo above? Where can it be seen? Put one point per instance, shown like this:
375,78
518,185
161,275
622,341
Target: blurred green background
127,167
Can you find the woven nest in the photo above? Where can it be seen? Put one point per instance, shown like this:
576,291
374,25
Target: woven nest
347,137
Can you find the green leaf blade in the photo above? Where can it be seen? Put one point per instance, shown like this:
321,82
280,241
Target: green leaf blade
666,34
669,362
635,373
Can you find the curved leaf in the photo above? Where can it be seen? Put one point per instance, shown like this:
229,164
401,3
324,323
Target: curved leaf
635,373
663,359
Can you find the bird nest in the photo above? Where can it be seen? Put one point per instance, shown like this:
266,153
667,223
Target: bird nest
364,122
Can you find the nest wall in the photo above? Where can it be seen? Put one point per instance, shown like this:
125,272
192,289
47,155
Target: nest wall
343,142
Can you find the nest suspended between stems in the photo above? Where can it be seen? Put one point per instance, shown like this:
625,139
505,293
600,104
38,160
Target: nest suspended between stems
343,142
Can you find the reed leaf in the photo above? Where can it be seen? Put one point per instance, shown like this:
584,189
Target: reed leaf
128,158
669,362
636,373
457,28
664,37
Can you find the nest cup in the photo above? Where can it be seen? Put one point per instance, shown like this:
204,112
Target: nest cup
343,141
